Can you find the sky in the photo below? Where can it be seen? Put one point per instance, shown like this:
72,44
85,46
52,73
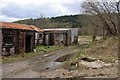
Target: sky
12,10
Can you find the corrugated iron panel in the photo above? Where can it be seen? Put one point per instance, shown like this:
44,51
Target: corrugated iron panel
19,26
36,28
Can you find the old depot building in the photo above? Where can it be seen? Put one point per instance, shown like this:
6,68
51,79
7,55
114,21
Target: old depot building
60,36
17,38
21,38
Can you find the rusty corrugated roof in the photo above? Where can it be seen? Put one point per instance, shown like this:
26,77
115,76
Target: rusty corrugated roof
36,28
19,26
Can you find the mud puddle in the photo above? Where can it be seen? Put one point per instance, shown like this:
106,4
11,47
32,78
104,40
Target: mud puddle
59,61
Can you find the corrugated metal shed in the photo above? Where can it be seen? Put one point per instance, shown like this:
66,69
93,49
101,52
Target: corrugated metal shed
17,38
60,36
9,25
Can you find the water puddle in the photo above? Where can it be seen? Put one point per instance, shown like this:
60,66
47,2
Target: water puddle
52,65
58,62
48,66
64,58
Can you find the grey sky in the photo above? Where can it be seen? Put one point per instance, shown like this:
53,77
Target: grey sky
21,9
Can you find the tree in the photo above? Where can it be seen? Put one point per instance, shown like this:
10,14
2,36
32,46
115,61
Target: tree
106,16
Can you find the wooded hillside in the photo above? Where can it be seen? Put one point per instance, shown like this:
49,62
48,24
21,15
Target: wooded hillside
67,21
85,23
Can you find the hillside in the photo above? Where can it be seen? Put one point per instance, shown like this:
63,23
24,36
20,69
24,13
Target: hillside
87,24
67,21
72,20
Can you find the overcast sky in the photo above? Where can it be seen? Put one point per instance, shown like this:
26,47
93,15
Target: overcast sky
12,10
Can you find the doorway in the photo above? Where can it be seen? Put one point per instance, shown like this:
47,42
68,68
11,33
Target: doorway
28,43
51,39
65,39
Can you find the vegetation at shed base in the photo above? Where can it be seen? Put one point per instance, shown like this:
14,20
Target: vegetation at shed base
48,48
40,50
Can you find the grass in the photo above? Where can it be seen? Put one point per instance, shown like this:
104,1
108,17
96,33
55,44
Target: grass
82,52
75,58
106,50
71,63
109,59
86,37
48,48
20,57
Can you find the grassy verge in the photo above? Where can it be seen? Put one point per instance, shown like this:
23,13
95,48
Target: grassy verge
71,63
19,57
105,50
40,49
85,37
48,48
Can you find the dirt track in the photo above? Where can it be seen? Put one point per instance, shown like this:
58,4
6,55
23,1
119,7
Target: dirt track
32,68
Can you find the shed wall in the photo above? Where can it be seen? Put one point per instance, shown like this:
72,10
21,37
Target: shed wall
19,41
74,35
0,41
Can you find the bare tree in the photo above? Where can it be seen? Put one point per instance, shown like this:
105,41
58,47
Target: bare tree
106,13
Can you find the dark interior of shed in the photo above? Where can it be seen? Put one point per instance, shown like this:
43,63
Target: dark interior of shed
28,43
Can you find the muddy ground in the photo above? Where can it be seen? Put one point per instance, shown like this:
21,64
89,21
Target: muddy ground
44,66
32,68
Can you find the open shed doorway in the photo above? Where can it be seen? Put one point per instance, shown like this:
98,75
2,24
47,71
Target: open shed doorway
28,43
51,39
65,39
